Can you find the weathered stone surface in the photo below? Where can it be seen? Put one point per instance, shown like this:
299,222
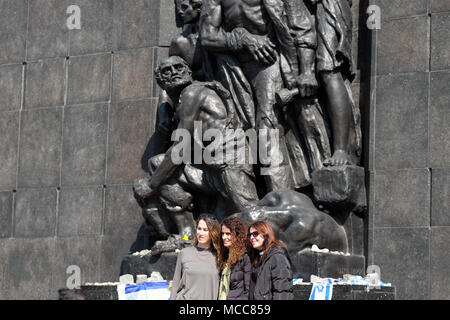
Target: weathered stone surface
401,135
47,29
84,145
10,87
40,148
439,5
122,213
341,187
403,45
402,198
167,26
77,251
440,263
128,135
440,41
6,208
28,266
9,128
135,23
4,249
96,31
439,119
113,249
89,79
164,264
13,30
440,197
326,265
133,74
401,8
45,83
80,211
403,256
35,213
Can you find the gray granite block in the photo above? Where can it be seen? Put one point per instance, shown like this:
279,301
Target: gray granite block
10,87
35,213
96,30
47,29
89,79
402,198
122,213
401,134
440,41
4,249
40,148
136,23
9,128
45,83
167,26
440,197
403,45
113,250
29,263
6,210
440,263
403,255
439,5
75,251
13,30
128,135
80,211
401,8
439,119
133,74
84,145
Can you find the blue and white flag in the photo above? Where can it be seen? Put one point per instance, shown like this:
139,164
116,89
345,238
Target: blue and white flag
322,291
144,291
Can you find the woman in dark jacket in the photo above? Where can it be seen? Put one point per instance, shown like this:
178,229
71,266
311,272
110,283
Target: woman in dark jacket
233,260
271,273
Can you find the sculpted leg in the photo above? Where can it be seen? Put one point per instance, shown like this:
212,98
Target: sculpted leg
339,110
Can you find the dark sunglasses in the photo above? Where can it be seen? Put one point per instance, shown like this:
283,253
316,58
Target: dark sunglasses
253,234
207,215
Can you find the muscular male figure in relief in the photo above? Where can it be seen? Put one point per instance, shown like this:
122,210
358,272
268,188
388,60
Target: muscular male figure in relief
247,29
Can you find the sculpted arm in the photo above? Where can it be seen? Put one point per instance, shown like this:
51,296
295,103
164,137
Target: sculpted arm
189,109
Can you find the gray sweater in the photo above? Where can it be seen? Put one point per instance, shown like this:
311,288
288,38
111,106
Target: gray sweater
196,275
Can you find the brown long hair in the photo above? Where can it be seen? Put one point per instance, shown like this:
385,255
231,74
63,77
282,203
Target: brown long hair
266,231
213,228
229,256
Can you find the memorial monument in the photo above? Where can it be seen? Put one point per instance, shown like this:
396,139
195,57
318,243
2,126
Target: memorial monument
240,74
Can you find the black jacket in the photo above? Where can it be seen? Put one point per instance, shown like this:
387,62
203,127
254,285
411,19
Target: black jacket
240,278
274,277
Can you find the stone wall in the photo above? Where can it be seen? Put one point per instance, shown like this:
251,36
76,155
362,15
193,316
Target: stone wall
409,148
77,109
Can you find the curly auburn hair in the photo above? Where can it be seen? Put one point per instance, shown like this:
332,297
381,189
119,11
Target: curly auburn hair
229,256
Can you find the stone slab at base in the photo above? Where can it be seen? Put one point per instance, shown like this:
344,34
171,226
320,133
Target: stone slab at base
326,265
301,292
164,263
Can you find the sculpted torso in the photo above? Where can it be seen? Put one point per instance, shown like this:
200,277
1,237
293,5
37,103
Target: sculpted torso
248,14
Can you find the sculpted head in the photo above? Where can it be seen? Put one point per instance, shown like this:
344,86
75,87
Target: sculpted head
173,73
188,11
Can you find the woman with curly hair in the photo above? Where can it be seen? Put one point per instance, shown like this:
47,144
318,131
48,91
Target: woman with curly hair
271,277
196,275
233,260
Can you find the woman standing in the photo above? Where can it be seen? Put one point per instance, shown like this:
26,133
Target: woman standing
196,275
233,260
271,273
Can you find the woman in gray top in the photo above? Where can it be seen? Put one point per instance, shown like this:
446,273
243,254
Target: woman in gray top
196,275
